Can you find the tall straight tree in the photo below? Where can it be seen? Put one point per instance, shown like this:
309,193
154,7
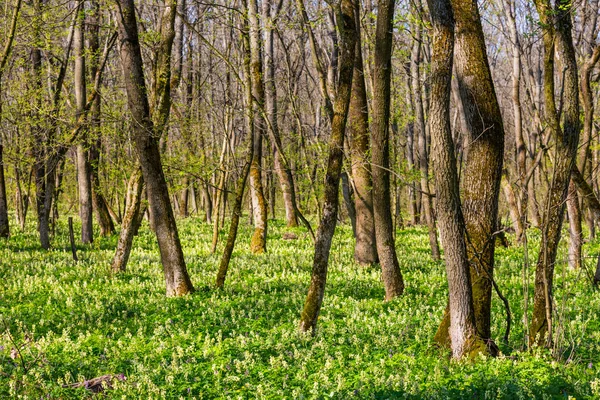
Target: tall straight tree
483,167
347,37
556,28
258,242
462,330
146,135
83,166
380,149
365,249
4,227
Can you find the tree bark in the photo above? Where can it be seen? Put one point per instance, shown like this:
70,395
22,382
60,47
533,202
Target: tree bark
462,329
258,243
347,37
380,148
365,248
556,28
146,134
84,182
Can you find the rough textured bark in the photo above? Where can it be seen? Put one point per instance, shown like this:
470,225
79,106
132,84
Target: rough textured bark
556,28
258,243
347,194
84,182
462,330
427,202
365,248
146,134
483,167
380,149
316,291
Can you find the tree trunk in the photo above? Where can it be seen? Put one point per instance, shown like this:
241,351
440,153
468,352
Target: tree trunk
347,37
131,221
83,167
461,329
258,243
365,248
557,37
575,231
380,149
146,134
427,206
347,193
483,168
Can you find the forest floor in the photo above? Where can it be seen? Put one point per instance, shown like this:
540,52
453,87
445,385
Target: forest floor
64,322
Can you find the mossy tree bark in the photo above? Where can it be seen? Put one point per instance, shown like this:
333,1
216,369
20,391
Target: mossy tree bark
556,28
258,243
146,134
365,248
380,149
347,37
462,329
483,167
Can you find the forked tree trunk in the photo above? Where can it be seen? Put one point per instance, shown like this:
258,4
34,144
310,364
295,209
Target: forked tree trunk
556,26
365,248
380,149
146,135
462,330
347,37
483,168
131,221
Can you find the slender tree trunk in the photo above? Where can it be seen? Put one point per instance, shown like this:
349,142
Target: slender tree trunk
347,37
83,167
380,149
347,194
146,134
427,207
4,226
556,27
365,248
258,243
575,230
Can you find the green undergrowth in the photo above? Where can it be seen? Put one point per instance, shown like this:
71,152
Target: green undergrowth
65,322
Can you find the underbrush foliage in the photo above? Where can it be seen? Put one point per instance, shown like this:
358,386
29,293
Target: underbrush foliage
65,322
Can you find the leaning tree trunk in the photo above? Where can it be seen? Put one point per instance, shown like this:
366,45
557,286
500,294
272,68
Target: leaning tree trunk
483,168
365,248
145,135
316,291
380,149
557,38
462,329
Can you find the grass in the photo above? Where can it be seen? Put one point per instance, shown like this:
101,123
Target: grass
75,321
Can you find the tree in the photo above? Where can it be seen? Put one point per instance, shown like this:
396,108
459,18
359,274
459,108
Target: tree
365,249
4,226
380,148
347,36
556,27
146,134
